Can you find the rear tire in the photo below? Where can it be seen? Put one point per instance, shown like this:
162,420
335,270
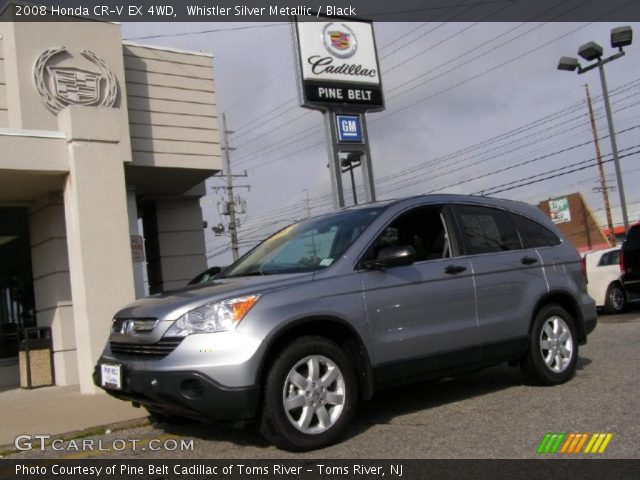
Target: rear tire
615,299
310,395
553,347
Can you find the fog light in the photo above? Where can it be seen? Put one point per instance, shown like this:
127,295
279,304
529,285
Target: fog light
192,388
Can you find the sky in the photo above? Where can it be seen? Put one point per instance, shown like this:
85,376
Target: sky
470,108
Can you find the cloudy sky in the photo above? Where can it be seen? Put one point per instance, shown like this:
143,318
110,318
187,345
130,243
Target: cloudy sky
471,108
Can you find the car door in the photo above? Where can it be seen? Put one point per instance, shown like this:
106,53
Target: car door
509,278
422,316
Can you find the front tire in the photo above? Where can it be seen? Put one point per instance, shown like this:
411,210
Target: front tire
553,347
310,395
615,299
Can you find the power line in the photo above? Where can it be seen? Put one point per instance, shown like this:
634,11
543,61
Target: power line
531,179
213,30
379,118
459,32
286,210
283,143
475,160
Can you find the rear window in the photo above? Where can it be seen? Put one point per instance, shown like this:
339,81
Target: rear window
610,258
535,235
488,230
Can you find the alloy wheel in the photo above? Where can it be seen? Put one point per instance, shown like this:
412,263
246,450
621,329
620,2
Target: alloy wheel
314,393
556,344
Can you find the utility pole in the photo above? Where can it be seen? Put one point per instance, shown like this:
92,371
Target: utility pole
307,203
233,226
603,179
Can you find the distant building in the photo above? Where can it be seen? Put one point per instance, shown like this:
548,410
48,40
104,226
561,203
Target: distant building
95,135
618,231
574,218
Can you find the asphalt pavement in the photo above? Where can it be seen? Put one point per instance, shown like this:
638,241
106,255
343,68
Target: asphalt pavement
488,414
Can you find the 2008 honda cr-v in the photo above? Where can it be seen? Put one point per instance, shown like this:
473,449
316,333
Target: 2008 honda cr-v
327,310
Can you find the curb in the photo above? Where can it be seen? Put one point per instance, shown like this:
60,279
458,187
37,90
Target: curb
85,432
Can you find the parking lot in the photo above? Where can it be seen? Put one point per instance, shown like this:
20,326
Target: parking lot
488,414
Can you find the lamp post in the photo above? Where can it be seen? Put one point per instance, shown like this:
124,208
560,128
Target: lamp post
620,37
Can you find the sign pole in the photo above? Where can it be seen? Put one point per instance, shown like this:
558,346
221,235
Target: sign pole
334,160
367,167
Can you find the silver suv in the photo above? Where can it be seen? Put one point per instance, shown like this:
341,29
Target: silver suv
328,310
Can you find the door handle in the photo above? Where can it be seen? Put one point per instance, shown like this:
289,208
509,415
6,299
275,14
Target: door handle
454,269
528,260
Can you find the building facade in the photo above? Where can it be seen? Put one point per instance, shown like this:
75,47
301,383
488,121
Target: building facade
104,148
575,219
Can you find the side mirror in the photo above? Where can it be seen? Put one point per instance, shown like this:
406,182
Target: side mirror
392,257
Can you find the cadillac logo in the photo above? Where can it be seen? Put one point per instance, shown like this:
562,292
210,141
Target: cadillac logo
60,86
339,40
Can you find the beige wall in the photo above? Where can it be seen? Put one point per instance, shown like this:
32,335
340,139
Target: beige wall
172,108
160,140
24,42
4,117
175,242
97,227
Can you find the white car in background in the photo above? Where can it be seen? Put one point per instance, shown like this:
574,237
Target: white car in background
603,276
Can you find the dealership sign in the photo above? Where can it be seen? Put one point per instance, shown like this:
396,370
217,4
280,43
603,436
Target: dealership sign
338,64
559,210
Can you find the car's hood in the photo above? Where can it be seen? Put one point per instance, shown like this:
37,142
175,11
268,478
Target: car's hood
172,304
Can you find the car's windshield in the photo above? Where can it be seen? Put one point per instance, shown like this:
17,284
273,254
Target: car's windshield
305,246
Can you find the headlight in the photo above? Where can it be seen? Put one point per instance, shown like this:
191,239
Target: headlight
212,317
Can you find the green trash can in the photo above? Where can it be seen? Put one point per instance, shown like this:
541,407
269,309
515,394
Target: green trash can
36,358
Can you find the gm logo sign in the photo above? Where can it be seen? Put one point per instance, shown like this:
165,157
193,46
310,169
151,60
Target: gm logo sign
349,128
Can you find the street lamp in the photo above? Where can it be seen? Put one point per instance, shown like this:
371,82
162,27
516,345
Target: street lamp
620,37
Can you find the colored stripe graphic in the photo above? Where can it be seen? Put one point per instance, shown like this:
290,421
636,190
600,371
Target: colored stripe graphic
543,443
550,443
556,445
572,443
581,443
593,439
606,441
567,442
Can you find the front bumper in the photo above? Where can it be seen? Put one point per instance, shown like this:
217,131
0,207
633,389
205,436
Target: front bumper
183,393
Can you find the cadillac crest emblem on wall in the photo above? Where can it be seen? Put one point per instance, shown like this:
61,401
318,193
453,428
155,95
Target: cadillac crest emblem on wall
60,86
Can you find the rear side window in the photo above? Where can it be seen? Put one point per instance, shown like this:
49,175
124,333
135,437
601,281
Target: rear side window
535,235
487,230
610,258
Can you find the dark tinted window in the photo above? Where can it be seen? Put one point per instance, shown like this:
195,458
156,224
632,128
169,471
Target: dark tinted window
535,235
633,239
488,230
610,258
421,228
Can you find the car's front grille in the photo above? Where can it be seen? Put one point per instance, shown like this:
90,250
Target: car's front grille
157,350
134,326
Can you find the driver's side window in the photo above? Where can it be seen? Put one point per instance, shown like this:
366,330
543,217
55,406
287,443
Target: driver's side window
422,228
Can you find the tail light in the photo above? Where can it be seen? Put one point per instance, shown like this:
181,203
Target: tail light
622,265
583,266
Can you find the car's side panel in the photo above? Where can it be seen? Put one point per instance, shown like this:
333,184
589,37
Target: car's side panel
420,310
507,291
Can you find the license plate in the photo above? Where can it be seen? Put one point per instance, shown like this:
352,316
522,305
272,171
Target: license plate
111,376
